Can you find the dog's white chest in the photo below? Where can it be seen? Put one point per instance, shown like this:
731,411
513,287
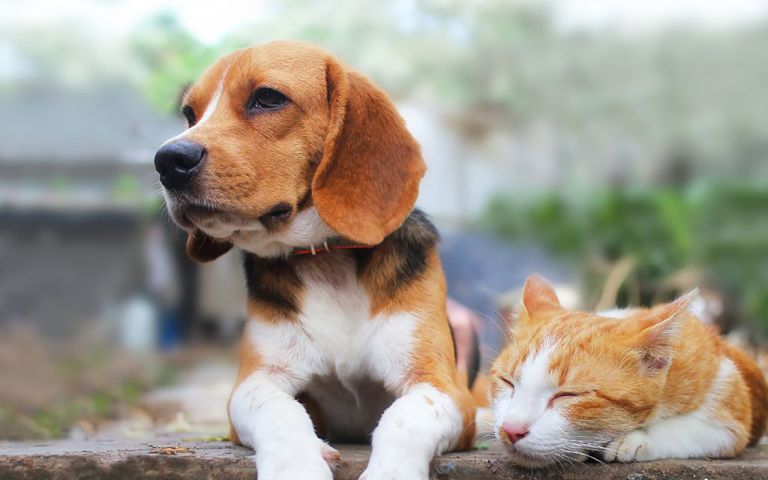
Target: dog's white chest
349,362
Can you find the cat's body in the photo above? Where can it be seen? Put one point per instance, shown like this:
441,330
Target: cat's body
651,384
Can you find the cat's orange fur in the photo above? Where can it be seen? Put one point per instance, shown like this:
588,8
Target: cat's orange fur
624,386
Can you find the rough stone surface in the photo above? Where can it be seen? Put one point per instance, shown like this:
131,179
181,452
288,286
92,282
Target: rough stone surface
186,457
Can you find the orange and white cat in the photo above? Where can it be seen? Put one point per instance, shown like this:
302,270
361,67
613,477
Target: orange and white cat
626,385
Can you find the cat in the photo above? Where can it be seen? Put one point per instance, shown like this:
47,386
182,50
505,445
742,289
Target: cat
655,383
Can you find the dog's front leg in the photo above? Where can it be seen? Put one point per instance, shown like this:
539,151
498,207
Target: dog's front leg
422,423
273,423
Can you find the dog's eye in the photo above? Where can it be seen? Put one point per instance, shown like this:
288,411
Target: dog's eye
189,114
266,98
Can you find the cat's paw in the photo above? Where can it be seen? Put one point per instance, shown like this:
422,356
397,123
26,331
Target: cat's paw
632,447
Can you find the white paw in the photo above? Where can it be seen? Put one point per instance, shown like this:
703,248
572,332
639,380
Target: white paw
395,470
632,447
293,463
392,473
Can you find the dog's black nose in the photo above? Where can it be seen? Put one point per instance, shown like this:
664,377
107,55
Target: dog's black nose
177,162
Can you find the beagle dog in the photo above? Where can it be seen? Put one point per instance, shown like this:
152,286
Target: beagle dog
308,168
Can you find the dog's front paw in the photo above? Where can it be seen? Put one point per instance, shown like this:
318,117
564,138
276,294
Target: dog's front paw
293,463
632,447
402,469
392,473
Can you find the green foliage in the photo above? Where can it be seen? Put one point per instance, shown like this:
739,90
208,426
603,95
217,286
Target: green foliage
556,223
172,58
719,228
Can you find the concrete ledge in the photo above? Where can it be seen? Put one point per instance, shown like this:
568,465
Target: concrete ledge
182,457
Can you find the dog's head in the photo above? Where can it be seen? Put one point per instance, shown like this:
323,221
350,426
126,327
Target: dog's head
286,148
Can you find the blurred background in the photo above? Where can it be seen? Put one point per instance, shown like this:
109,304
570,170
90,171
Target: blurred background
619,147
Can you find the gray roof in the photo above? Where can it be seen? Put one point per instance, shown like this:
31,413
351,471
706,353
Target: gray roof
112,122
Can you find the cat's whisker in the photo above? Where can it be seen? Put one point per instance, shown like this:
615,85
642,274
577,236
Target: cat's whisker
590,446
585,454
500,324
568,459
490,350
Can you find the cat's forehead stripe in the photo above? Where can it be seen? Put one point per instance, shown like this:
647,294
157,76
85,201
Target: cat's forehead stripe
560,340
573,335
537,345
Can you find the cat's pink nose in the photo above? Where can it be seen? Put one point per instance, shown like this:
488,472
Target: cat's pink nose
515,431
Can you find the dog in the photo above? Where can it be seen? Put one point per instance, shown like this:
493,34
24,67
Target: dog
307,167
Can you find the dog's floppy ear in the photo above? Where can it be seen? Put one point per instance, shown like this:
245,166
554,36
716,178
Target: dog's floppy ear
368,178
202,248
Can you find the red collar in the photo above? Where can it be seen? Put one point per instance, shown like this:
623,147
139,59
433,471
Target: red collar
324,248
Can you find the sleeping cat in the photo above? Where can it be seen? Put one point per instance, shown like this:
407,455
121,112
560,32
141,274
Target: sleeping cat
655,383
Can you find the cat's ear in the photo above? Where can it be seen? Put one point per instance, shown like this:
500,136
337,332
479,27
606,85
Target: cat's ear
538,298
660,331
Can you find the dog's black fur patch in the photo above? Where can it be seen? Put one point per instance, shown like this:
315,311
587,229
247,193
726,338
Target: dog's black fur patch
412,241
273,282
402,256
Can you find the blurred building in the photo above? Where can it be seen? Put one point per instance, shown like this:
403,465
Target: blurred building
76,190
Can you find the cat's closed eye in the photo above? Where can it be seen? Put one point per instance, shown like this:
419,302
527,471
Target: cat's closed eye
509,382
565,396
